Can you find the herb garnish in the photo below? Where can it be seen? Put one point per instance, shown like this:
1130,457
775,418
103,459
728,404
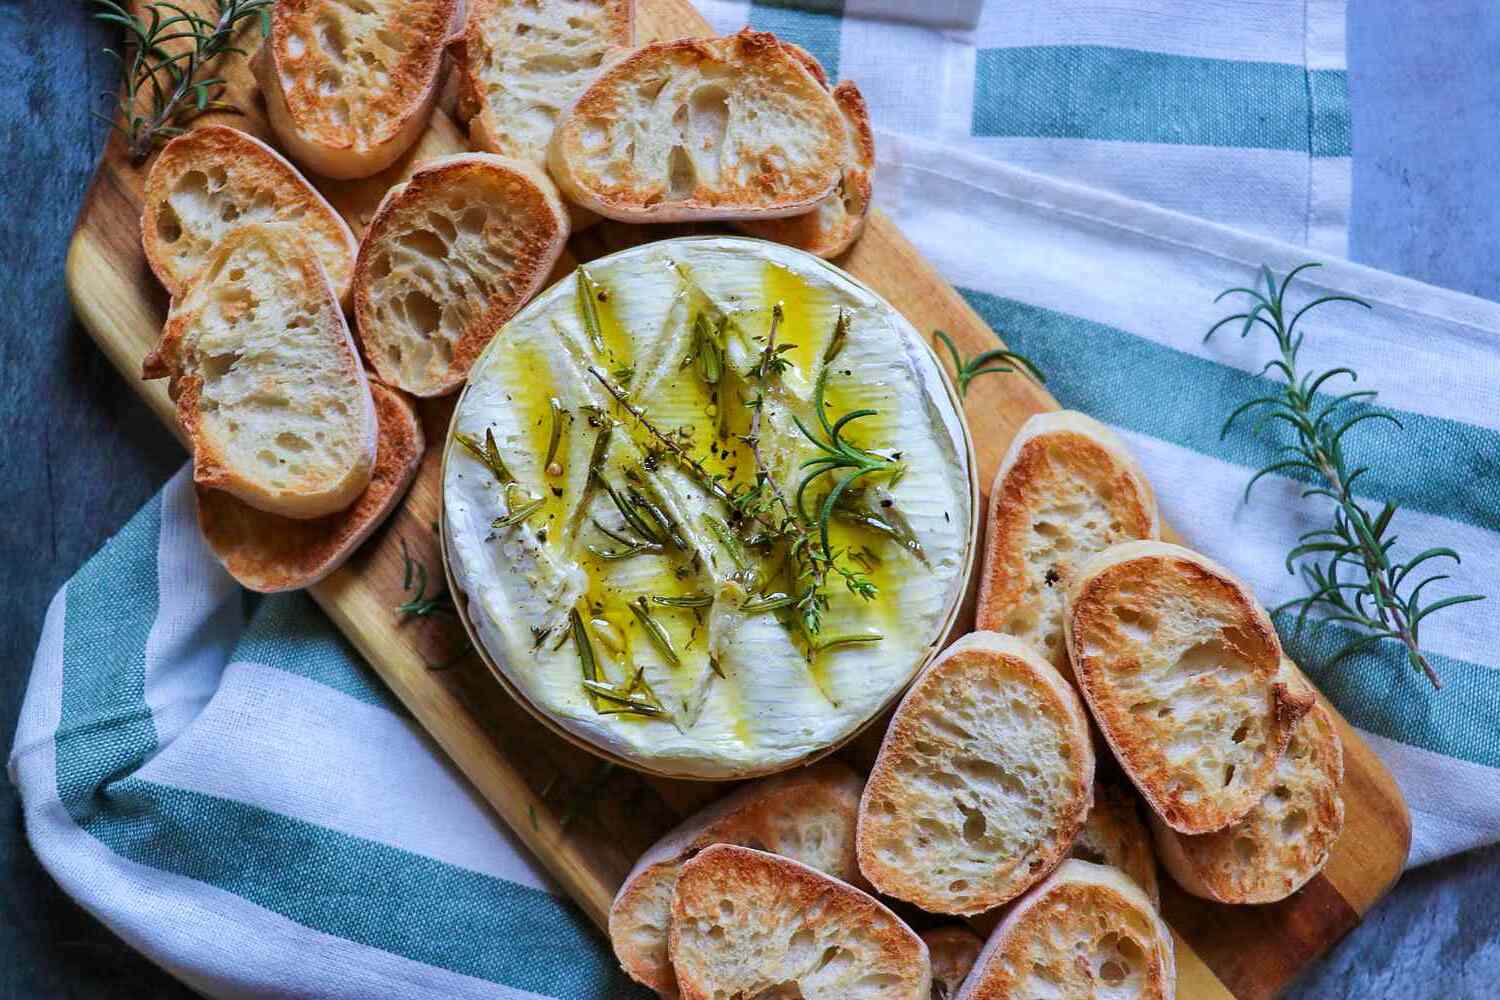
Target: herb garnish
997,361
588,307
414,573
654,631
164,54
1374,601
518,510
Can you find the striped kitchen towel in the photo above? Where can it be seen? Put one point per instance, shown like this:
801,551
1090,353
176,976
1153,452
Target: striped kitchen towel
227,786
1232,110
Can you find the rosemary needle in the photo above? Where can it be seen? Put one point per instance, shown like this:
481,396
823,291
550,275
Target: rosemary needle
588,307
686,601
655,632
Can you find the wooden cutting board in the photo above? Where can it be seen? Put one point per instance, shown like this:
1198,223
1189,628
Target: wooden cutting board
588,822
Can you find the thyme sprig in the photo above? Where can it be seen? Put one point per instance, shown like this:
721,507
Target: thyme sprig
997,361
1351,574
162,61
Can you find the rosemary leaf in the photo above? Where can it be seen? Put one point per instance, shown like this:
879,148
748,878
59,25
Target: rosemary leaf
654,631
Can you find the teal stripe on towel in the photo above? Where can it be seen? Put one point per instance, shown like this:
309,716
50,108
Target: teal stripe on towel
1378,691
1100,92
1443,467
1328,89
370,893
816,25
288,632
357,889
105,729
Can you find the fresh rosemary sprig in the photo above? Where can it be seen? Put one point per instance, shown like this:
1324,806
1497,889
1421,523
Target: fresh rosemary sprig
1374,602
414,575
162,61
997,361
838,455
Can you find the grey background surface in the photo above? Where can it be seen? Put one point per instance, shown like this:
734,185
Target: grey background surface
79,454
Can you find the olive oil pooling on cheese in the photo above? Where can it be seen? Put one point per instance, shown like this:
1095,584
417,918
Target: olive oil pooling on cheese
730,475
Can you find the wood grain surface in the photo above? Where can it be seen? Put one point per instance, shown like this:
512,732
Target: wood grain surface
587,822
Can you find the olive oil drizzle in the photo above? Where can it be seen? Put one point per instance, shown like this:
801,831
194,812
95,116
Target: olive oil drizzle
846,533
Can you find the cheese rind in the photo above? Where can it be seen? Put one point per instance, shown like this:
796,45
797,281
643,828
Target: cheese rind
767,705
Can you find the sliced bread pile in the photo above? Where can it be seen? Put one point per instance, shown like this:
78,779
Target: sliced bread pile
983,795
297,455
807,815
268,384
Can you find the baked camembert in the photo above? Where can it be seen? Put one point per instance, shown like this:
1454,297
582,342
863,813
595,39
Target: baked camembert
709,504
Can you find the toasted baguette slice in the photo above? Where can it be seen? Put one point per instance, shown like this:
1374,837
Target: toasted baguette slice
523,63
1086,932
214,180
807,815
1066,489
697,129
1114,835
982,782
267,381
836,223
809,62
449,257
350,86
750,924
1182,671
1287,837
269,554
953,949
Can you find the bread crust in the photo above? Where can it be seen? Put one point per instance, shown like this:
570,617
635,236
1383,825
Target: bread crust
475,49
724,870
1114,835
1081,905
1284,841
270,554
1225,658
175,357
898,813
522,218
770,186
1055,458
749,817
953,949
303,71
839,219
245,163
